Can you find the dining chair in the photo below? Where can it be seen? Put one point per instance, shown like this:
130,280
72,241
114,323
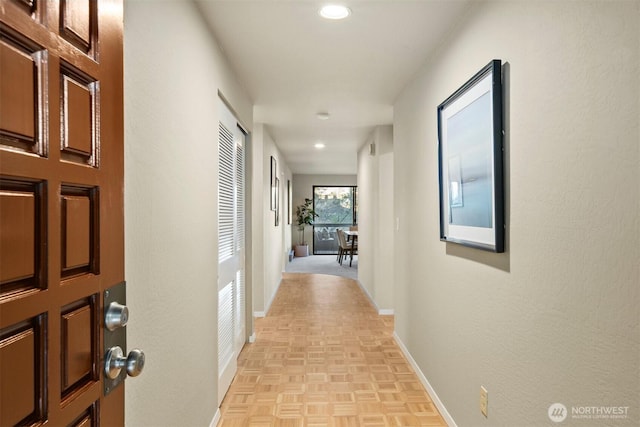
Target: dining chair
340,237
345,247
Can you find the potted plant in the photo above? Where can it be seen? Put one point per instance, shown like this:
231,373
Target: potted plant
305,216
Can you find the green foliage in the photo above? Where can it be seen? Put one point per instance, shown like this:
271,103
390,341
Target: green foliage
305,216
334,205
334,210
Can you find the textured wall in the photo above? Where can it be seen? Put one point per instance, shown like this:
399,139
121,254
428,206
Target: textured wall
367,216
173,71
375,218
259,202
276,239
555,318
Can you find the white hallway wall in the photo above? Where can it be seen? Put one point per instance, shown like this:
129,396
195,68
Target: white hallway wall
555,318
173,71
375,218
273,244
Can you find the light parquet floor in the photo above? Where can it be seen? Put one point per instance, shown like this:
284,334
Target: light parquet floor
324,357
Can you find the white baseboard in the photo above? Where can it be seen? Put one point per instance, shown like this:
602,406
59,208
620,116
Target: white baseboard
366,292
273,296
216,419
381,311
266,310
252,338
434,396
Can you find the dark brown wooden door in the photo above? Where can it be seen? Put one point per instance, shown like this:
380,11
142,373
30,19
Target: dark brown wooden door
61,207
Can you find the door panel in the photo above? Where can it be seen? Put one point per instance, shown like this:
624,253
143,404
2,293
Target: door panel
18,221
78,19
78,345
19,69
20,369
61,207
79,94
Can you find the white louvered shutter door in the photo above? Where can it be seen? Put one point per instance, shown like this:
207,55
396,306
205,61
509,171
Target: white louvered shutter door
231,242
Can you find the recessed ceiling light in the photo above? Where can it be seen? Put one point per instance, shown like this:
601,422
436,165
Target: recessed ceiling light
335,11
319,145
323,115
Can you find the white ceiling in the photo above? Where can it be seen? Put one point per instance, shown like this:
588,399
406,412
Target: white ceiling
295,64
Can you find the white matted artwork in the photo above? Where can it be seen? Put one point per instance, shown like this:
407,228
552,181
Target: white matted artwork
470,162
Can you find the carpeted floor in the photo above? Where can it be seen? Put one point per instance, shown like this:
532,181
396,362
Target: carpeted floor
324,264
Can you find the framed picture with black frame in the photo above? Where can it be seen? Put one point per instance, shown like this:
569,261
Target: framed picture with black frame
277,202
272,183
470,162
289,196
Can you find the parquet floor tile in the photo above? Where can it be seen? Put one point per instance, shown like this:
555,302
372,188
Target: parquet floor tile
323,357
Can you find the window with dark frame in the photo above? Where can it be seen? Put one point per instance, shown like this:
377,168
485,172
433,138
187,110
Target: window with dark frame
337,209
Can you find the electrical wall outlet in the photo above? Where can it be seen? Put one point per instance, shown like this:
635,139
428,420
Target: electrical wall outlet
484,401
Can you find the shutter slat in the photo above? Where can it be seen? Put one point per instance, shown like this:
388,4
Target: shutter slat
226,201
225,325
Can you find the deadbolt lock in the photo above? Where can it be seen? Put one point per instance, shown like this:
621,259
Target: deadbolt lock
117,316
117,364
